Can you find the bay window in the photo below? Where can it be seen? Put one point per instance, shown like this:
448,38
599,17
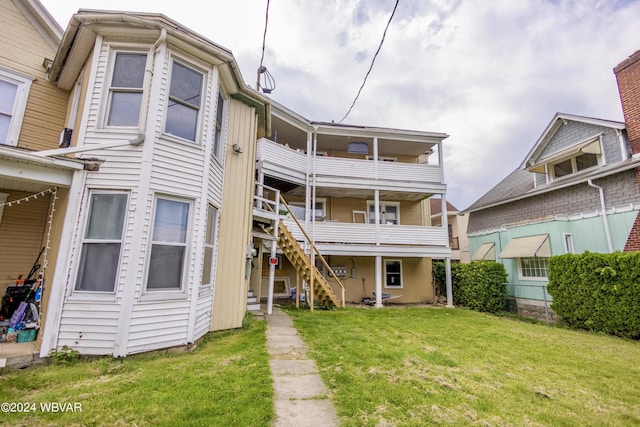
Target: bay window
185,98
125,91
102,242
169,237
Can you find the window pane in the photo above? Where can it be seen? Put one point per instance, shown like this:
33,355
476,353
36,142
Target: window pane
586,160
562,168
393,273
211,226
129,70
218,133
298,212
170,224
181,121
5,122
165,267
106,219
7,97
98,267
186,84
358,147
124,109
208,262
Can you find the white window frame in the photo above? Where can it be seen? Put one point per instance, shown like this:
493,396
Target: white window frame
84,240
522,276
23,83
200,110
320,200
568,243
180,291
110,89
574,166
210,242
383,205
220,129
386,285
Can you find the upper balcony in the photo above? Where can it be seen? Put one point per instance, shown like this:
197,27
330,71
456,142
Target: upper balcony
293,165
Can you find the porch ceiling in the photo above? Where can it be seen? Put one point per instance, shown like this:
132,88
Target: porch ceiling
368,194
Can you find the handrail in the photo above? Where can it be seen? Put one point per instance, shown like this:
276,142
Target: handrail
313,246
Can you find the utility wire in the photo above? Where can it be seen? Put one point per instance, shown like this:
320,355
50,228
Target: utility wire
372,61
264,41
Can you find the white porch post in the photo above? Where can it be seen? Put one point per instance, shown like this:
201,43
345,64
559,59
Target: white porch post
274,247
445,226
379,281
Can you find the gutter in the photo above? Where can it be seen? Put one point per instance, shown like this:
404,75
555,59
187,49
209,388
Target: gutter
605,220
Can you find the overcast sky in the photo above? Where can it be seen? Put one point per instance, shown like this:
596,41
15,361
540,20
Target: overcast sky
490,73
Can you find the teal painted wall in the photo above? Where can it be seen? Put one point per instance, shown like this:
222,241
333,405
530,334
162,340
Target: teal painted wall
588,235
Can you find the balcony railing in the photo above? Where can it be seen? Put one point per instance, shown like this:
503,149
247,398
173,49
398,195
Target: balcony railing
365,234
292,165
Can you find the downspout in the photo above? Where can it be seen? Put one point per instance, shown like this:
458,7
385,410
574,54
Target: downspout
605,221
447,260
623,146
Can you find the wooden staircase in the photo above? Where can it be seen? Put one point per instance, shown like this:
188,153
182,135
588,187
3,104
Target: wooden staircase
322,291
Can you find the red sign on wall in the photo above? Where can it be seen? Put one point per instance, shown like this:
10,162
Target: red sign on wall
273,261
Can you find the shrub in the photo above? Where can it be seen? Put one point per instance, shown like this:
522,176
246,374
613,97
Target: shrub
480,285
64,356
599,292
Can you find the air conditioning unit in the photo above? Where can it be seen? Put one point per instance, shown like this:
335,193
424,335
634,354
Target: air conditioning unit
65,137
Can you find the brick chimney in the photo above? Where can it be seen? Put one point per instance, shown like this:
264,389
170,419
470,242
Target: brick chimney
628,77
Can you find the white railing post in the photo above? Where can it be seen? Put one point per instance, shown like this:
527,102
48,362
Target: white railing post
274,247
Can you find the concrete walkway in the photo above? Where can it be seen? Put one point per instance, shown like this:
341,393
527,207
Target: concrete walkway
300,395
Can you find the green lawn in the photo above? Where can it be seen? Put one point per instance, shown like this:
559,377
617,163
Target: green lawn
224,382
433,366
390,367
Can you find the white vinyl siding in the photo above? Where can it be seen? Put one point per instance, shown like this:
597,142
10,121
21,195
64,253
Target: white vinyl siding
14,91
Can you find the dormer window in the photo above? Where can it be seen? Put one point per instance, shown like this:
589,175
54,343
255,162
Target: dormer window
577,158
574,165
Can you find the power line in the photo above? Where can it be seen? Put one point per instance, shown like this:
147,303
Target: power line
264,41
372,61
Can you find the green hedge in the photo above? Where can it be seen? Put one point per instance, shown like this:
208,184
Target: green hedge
480,285
600,292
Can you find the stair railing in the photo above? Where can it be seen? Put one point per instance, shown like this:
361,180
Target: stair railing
315,250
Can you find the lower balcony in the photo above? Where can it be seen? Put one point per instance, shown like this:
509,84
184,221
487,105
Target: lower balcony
349,239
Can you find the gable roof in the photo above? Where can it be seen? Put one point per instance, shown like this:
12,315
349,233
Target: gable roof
435,204
552,128
520,184
40,18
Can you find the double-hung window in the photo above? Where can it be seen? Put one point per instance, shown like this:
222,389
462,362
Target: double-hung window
299,210
389,212
393,273
102,242
168,244
209,246
125,91
14,91
219,134
185,98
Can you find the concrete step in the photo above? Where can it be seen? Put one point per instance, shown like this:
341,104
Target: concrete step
252,299
253,307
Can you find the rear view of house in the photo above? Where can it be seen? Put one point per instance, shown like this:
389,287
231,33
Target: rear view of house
357,194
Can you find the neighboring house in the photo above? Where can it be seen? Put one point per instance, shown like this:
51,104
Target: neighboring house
33,191
628,79
361,195
575,191
456,229
143,262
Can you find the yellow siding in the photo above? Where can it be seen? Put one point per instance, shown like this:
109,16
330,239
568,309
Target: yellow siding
22,228
23,49
230,295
